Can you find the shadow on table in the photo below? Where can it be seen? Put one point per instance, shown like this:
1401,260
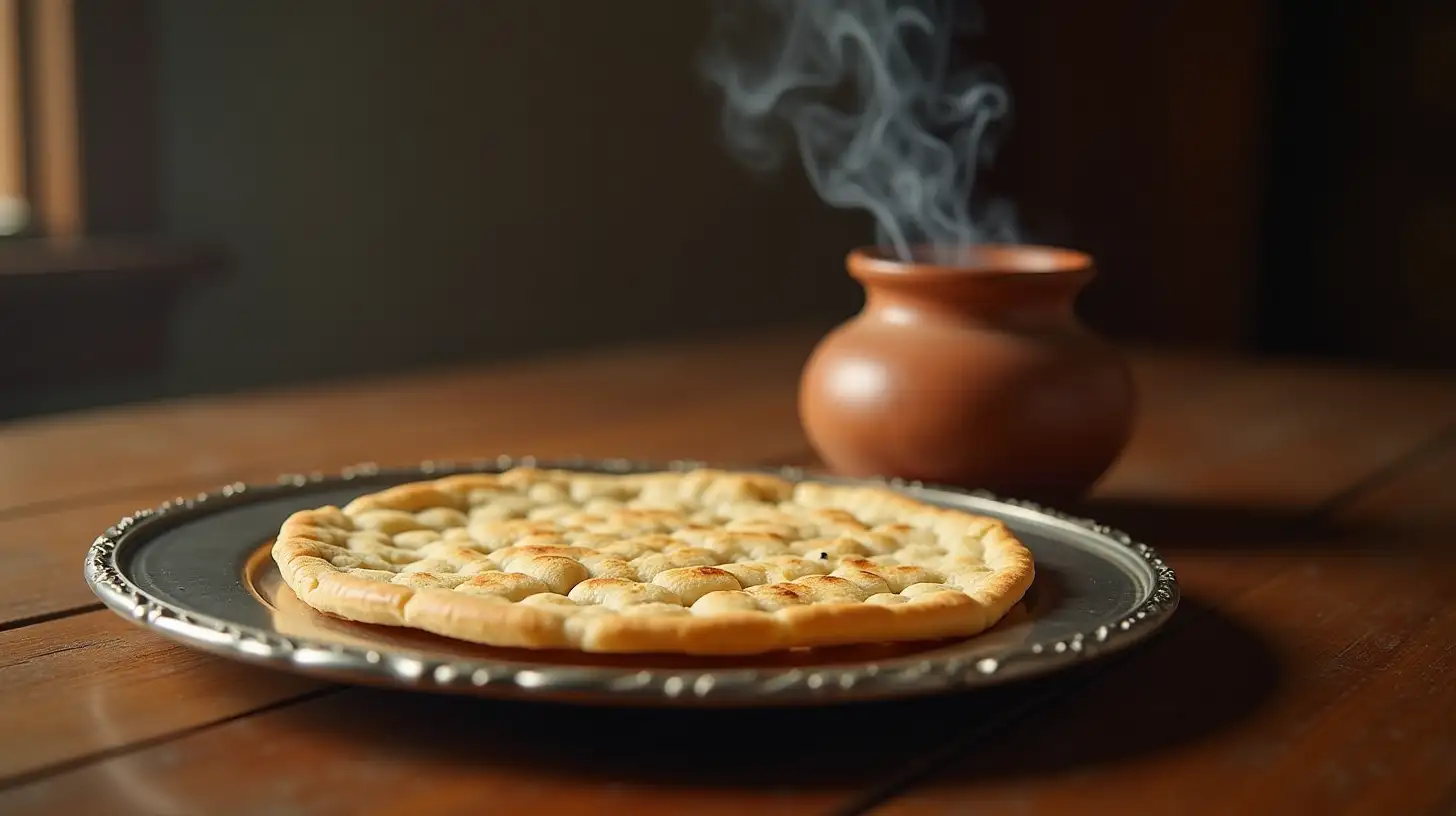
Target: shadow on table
1189,692
1171,527
1204,678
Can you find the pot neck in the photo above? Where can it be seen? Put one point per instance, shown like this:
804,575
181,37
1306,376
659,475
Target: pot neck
994,284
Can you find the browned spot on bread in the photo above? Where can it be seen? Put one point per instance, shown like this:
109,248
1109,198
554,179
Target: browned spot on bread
785,592
607,583
833,581
530,551
707,572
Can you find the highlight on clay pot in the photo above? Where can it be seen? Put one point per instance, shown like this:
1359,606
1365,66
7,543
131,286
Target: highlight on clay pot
968,366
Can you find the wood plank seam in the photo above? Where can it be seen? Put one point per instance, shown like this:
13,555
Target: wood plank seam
80,500
1305,522
142,744
245,471
308,412
21,623
174,488
1314,504
1346,479
83,760
881,794
1380,477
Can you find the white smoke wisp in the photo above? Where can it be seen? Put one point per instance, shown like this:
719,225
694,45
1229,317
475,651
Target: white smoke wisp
907,144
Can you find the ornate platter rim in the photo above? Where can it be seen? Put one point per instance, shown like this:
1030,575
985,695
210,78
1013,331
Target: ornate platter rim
937,671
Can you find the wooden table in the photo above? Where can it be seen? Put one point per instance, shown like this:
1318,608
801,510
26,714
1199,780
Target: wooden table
1309,513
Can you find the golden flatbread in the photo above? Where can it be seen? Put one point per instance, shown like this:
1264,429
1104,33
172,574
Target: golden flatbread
694,562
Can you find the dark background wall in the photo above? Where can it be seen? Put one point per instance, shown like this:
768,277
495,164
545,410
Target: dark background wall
397,185
405,183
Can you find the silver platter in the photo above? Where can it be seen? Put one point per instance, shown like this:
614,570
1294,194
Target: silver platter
197,570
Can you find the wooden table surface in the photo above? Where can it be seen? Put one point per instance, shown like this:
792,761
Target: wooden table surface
1309,513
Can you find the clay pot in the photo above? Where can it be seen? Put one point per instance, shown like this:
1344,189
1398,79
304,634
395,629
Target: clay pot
970,367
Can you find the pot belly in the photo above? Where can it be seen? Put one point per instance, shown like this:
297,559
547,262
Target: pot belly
1015,414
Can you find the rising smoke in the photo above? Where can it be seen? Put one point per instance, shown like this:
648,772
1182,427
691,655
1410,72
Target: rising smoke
865,90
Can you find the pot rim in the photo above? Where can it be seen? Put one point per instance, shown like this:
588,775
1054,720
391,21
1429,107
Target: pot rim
980,260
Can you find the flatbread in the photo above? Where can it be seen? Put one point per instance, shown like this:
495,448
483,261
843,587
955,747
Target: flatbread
696,562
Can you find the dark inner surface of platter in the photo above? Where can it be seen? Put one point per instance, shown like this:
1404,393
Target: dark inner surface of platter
213,561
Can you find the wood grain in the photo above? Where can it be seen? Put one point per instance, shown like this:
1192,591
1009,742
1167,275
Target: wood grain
1313,644
1314,669
1419,504
45,542
483,409
86,684
388,752
1301,416
44,550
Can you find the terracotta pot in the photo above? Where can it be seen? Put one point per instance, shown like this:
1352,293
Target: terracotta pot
970,367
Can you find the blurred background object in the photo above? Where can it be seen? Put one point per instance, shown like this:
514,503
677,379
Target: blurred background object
202,197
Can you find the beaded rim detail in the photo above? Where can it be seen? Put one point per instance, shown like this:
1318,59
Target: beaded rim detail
940,671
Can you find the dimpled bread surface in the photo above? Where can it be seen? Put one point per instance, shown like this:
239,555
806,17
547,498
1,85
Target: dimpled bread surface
697,562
